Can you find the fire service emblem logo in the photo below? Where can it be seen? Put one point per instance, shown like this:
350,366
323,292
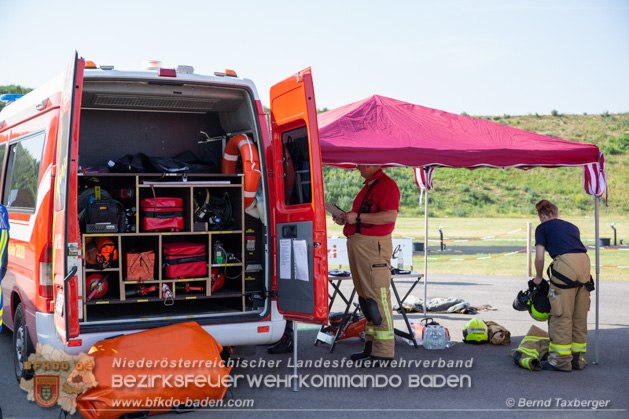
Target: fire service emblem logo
46,390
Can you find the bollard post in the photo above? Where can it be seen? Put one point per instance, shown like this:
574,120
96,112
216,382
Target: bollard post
441,234
529,253
295,375
614,228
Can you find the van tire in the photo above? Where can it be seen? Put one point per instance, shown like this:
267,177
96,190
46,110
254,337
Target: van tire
22,345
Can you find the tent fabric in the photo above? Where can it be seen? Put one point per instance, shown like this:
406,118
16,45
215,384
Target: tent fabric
395,133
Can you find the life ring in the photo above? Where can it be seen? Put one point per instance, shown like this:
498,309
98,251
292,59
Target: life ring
241,144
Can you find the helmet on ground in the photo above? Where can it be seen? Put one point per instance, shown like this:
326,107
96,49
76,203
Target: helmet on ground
475,331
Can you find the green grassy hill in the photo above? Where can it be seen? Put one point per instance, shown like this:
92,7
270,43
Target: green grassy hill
513,192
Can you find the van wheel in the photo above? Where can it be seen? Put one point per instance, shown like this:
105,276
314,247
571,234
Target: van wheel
22,345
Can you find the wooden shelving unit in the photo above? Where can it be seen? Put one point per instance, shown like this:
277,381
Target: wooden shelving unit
180,186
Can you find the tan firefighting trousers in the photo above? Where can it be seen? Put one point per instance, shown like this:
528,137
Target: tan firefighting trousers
369,258
498,335
532,350
567,324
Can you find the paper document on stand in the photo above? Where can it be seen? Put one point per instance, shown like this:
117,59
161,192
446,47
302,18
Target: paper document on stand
334,210
285,258
300,247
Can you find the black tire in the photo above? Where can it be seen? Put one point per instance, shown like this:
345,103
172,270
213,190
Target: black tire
22,345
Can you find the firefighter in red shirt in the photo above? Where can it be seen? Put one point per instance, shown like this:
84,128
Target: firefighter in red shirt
368,228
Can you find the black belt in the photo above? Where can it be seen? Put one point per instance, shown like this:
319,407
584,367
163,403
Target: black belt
360,225
567,282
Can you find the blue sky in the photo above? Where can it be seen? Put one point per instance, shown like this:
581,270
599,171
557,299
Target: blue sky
486,57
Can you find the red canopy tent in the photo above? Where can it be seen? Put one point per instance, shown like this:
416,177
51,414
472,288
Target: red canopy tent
395,133
389,132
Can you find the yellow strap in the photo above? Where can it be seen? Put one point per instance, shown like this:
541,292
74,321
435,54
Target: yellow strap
385,307
530,352
560,349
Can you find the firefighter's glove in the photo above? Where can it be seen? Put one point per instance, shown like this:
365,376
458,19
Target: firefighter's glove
532,285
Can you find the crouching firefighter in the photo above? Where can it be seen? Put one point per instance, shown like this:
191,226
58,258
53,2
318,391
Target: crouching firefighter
368,228
570,287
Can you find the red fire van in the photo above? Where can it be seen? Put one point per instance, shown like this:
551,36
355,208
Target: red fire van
139,199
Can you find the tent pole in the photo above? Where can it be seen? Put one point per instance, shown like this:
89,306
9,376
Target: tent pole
596,234
425,251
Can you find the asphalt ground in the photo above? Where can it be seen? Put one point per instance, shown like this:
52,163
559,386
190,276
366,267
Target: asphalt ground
493,386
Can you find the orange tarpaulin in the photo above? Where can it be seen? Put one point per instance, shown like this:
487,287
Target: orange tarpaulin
155,370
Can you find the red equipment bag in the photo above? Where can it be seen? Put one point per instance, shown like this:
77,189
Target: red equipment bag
185,260
159,214
182,363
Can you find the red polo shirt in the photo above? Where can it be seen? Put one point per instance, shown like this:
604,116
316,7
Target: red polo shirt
382,195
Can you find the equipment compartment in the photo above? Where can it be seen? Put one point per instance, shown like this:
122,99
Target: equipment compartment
136,130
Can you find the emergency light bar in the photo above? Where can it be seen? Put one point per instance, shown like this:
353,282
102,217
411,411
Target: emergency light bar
227,73
151,65
10,97
91,65
185,69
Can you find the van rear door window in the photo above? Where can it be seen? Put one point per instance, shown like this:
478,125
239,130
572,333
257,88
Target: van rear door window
22,178
297,189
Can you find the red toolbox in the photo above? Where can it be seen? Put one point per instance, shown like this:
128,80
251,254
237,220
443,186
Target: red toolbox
159,214
185,260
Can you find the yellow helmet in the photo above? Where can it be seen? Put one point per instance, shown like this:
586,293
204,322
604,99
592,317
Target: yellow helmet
475,331
540,307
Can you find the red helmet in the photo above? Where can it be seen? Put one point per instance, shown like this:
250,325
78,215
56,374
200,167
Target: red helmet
96,286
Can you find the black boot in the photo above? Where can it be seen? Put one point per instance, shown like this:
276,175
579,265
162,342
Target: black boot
578,363
550,367
283,345
364,354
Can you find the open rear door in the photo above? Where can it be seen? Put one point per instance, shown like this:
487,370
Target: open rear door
66,236
299,234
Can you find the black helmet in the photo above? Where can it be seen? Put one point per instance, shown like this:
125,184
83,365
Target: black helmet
215,210
534,300
520,302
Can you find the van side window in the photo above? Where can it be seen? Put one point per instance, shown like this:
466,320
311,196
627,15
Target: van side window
3,149
20,188
296,161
